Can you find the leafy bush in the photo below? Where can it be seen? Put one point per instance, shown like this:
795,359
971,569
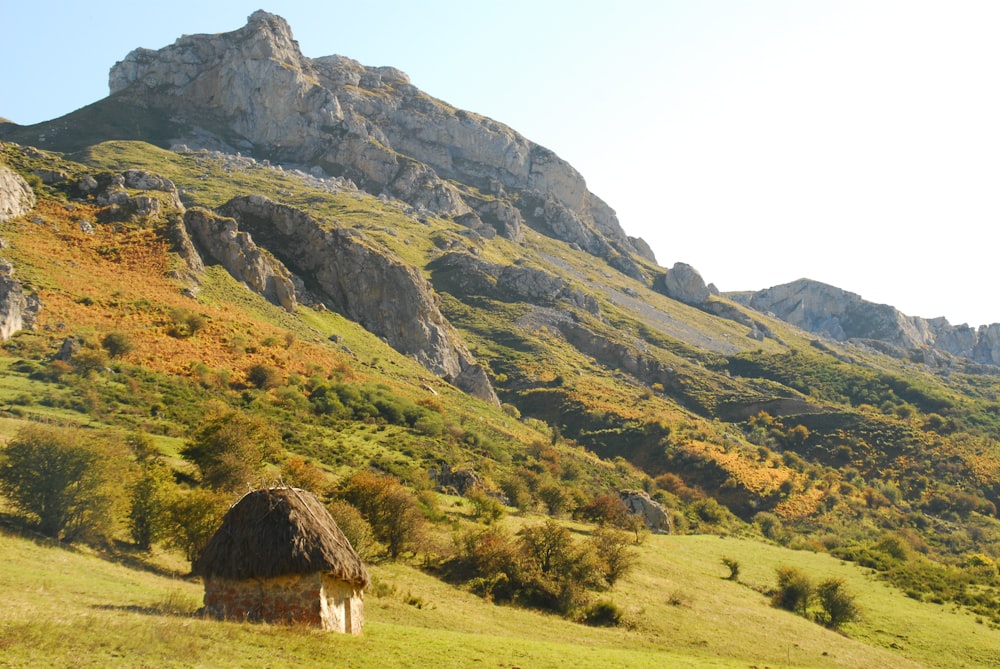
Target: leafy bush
734,568
69,483
354,526
117,344
389,507
231,449
264,377
603,614
795,590
185,323
148,519
614,552
838,605
486,507
193,517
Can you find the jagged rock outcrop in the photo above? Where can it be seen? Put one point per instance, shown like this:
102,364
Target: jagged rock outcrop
221,239
648,509
16,196
839,314
111,191
184,247
367,283
683,283
17,308
845,316
369,124
465,274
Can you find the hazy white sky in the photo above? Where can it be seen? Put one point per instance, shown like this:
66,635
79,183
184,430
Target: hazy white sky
853,142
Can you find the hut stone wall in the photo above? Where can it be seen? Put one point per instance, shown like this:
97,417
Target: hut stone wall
312,599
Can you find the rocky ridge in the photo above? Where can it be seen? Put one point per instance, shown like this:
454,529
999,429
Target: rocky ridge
844,316
261,96
366,283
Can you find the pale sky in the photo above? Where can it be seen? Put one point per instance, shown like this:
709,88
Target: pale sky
761,141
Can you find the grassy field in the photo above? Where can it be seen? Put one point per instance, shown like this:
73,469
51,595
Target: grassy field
73,608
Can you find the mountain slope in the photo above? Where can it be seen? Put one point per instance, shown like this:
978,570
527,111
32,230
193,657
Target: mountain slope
251,90
453,298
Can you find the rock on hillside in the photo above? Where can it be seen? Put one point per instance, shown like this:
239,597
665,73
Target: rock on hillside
370,124
16,196
366,283
684,284
221,240
845,316
17,308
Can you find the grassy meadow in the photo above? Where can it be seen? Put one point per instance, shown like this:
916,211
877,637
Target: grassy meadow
73,607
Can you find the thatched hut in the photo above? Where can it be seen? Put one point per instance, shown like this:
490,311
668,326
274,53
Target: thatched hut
280,557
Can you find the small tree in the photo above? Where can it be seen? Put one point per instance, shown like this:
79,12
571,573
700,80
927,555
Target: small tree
556,571
354,526
392,510
837,603
70,483
264,377
148,519
486,508
296,471
194,516
795,590
614,551
605,509
117,344
231,449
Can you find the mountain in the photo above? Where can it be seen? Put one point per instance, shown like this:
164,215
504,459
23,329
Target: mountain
252,90
396,285
844,316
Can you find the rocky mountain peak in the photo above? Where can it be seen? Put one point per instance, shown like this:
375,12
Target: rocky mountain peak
845,316
259,95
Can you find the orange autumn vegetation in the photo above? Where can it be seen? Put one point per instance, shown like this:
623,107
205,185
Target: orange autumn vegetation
117,279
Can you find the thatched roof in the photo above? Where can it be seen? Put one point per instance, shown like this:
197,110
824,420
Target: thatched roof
276,532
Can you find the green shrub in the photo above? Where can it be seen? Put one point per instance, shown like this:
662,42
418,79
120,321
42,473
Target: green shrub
354,526
148,519
117,344
794,591
264,377
614,552
185,323
193,517
837,604
733,566
603,614
389,507
70,484
232,448
485,507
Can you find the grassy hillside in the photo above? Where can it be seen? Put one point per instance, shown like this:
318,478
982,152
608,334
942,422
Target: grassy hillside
67,607
879,471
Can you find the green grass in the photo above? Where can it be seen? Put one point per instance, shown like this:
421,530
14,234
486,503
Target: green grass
71,608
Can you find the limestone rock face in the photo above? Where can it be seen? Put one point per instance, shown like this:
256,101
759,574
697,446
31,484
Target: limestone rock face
369,124
845,316
839,314
222,240
16,196
466,274
17,309
684,284
367,283
987,349
654,515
